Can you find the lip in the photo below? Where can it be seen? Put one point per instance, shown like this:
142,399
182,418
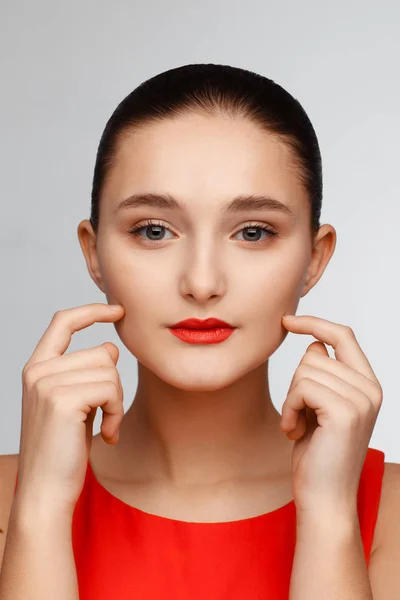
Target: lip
201,324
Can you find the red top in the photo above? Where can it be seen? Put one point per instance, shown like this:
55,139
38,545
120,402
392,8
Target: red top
125,553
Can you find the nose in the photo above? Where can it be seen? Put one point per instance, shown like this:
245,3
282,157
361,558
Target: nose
203,277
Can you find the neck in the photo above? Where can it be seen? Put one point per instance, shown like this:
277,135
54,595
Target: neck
184,438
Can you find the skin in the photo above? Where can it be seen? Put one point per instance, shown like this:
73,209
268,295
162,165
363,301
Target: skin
203,414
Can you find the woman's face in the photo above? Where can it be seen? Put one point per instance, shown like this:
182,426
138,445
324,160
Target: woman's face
202,262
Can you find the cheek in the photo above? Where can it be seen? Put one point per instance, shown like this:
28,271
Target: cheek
144,293
133,282
273,292
266,298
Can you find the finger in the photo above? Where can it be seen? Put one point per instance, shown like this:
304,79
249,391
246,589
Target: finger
57,337
340,337
95,394
318,348
112,350
328,405
360,400
306,417
48,382
314,348
96,357
306,425
368,387
89,428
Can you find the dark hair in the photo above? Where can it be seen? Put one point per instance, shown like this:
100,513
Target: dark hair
209,89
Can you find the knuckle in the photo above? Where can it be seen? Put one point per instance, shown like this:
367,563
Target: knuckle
41,387
111,383
308,358
303,384
304,370
352,415
371,409
112,374
113,387
104,354
28,375
25,369
348,331
299,375
378,394
59,314
366,407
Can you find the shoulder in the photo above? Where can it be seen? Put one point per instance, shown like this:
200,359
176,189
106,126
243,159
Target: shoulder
8,476
391,482
389,501
385,559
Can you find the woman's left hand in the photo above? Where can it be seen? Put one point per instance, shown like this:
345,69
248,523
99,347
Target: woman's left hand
331,409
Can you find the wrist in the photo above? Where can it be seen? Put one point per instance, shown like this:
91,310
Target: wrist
335,523
28,510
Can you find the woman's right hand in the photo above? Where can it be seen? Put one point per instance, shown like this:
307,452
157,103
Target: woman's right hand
60,398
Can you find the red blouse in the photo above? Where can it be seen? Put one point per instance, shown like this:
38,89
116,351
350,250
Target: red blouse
124,553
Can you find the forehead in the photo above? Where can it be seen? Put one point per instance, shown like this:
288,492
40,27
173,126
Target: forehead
204,158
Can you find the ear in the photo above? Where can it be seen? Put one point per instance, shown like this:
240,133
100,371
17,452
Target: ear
87,241
324,244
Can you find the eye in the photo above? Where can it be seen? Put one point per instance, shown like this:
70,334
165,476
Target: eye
151,228
157,230
253,231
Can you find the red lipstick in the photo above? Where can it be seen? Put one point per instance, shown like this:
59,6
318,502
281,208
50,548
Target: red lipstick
206,331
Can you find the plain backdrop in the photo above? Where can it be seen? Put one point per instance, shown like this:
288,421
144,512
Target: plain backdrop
66,65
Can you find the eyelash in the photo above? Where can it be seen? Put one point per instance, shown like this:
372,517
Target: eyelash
134,232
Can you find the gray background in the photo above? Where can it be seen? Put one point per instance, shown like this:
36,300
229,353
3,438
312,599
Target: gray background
64,68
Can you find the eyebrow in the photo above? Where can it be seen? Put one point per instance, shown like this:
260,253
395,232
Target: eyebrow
241,203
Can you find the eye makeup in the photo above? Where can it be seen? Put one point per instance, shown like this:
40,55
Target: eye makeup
135,231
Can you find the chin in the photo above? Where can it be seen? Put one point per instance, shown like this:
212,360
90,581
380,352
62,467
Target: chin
199,374
198,384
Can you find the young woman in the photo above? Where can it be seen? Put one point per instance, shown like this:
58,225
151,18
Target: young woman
205,232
